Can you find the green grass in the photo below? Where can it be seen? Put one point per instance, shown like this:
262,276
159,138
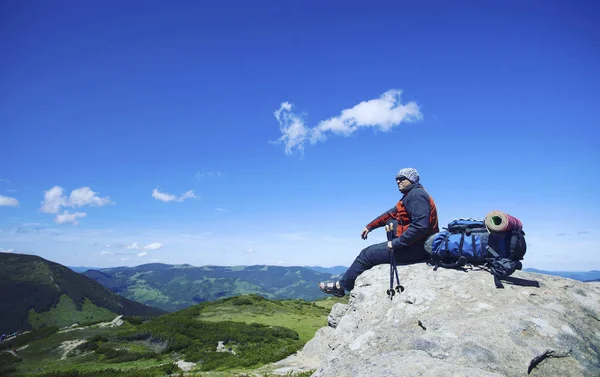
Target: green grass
301,316
65,313
141,292
44,355
304,317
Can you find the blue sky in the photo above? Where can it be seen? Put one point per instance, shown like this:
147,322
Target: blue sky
270,132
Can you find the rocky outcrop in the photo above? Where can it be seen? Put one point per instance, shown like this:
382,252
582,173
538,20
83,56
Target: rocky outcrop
118,321
457,323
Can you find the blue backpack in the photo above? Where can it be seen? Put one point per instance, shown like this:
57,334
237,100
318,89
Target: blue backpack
468,242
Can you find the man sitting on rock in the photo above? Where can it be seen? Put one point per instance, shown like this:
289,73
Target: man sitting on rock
417,219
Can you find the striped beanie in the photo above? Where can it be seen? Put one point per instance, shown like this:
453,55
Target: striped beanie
409,173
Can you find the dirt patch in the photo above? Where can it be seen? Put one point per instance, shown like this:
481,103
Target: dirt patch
69,345
185,366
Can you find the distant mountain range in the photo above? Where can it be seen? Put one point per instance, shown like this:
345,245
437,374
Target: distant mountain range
335,270
37,293
587,276
175,287
81,269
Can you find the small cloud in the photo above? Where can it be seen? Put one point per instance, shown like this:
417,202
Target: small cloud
124,258
142,254
381,113
562,234
84,196
582,232
7,181
6,250
55,200
209,174
219,209
69,218
153,246
106,253
165,197
137,246
154,260
133,246
6,201
54,234
249,251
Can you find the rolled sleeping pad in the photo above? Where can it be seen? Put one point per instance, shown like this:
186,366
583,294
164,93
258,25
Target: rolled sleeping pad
498,221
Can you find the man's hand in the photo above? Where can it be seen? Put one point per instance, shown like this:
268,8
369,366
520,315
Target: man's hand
364,234
390,245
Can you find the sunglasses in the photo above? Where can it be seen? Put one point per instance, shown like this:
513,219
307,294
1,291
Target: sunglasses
400,179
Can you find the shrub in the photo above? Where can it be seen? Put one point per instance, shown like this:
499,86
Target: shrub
242,301
134,320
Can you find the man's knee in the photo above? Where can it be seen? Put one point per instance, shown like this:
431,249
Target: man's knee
373,254
365,254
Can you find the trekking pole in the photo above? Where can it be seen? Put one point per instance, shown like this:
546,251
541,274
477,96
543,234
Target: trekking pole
389,229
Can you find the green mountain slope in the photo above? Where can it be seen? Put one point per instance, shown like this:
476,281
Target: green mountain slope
258,330
36,293
174,287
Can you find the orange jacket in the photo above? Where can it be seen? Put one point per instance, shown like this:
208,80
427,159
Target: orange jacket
416,214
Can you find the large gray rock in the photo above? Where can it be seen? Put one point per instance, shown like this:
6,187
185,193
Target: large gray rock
454,323
337,312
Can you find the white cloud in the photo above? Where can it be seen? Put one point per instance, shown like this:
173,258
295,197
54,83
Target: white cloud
294,132
69,218
187,195
106,253
382,113
163,196
249,251
219,209
153,246
142,254
8,201
6,250
55,199
85,196
137,246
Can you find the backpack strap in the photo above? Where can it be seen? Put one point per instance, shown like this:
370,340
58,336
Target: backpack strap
497,282
460,246
492,251
460,262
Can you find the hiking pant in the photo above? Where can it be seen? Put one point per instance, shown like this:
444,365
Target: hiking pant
379,254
